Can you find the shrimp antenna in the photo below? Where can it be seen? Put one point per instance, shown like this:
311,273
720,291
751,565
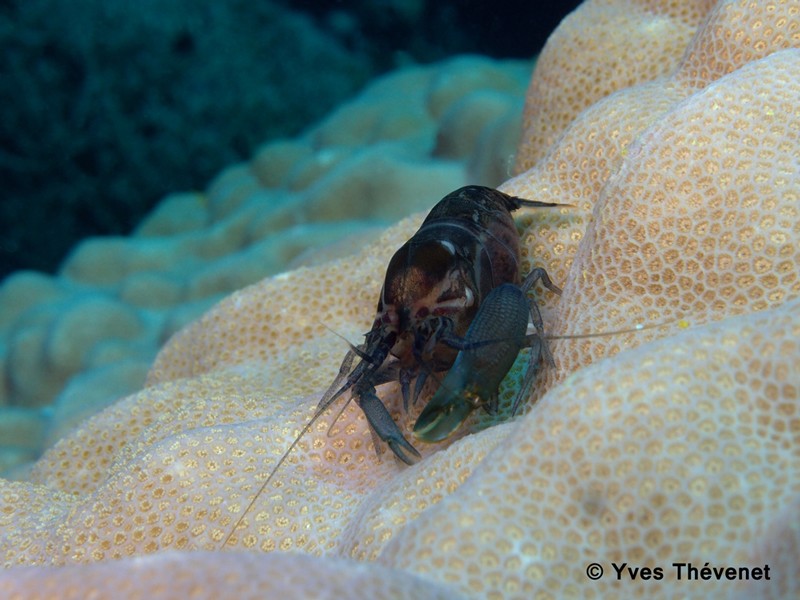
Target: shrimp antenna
328,398
317,414
459,344
682,323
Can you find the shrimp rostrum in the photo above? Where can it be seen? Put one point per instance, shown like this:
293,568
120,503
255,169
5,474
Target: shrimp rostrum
466,246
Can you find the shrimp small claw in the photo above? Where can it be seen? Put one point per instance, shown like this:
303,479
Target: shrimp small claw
383,426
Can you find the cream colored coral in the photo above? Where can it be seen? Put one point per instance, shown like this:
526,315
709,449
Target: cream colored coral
682,440
709,230
208,575
721,187
576,168
604,47
684,450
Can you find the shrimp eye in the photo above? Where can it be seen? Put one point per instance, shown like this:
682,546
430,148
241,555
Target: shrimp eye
415,269
435,258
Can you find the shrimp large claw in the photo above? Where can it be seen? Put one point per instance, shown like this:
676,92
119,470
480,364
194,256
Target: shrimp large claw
488,350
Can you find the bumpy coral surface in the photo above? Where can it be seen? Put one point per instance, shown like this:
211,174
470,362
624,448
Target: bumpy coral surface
674,444
234,575
597,50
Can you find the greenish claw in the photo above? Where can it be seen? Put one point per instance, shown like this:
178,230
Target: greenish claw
441,417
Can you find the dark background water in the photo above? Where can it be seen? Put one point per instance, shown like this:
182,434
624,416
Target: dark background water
106,106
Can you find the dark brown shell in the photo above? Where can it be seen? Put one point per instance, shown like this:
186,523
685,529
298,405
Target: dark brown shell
467,245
